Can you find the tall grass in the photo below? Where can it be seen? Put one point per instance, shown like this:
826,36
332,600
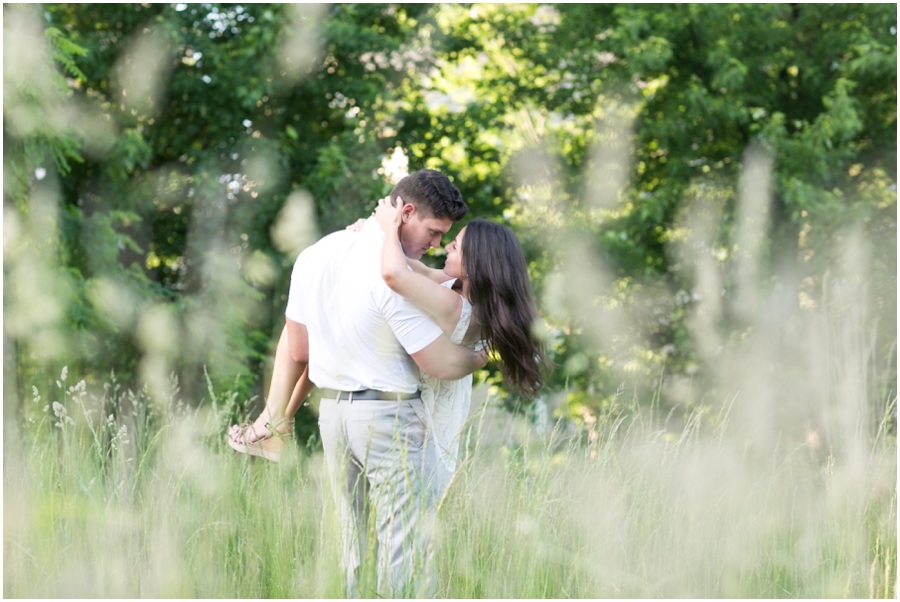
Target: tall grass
640,514
117,494
166,511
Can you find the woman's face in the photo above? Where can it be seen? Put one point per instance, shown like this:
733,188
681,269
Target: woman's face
453,266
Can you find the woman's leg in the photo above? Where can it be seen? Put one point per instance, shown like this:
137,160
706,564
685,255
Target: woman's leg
287,391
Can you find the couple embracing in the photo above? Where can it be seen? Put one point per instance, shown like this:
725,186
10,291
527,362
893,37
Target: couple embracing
392,344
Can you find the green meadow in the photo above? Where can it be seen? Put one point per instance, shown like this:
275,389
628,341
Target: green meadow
121,495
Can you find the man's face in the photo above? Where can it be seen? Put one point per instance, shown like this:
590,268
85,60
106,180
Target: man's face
418,234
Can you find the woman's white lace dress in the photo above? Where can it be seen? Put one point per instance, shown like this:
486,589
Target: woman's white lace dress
447,402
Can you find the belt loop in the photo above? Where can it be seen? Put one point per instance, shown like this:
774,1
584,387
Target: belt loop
350,396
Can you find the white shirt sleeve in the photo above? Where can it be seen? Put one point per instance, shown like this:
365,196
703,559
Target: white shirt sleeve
414,328
304,285
296,306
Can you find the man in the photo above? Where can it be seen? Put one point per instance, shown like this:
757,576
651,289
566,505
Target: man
363,342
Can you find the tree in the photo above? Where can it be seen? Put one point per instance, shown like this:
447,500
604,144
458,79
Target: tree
195,134
688,88
211,115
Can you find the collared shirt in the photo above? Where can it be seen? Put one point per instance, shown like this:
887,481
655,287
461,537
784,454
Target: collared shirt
361,333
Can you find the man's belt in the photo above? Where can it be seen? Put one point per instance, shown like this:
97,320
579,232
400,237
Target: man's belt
366,394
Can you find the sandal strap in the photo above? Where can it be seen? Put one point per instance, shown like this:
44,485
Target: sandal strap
274,429
247,428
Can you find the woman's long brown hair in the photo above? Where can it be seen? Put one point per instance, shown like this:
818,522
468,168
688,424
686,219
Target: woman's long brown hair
503,302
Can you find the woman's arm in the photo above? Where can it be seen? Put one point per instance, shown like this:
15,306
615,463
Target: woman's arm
431,273
442,303
417,266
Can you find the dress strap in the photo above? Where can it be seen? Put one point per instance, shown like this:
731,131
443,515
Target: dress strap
465,317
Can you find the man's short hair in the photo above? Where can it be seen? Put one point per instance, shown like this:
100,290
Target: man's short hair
433,194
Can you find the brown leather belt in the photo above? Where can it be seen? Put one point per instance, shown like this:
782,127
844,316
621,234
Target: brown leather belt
363,394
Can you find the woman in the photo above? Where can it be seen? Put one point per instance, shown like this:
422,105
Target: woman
482,294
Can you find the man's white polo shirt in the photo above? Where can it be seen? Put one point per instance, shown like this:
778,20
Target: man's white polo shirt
361,333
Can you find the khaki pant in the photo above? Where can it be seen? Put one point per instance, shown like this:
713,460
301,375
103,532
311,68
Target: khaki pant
381,465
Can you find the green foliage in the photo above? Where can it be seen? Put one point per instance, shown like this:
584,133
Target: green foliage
182,130
698,84
65,51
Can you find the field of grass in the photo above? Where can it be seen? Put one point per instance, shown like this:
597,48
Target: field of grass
117,495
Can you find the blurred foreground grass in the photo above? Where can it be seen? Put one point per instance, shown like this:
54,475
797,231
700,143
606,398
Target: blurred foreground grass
117,495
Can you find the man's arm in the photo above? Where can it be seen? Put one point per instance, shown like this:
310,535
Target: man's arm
446,361
298,341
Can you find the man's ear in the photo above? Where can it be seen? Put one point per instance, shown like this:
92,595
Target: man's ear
408,211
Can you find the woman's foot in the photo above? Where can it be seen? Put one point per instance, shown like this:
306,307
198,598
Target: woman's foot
262,438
